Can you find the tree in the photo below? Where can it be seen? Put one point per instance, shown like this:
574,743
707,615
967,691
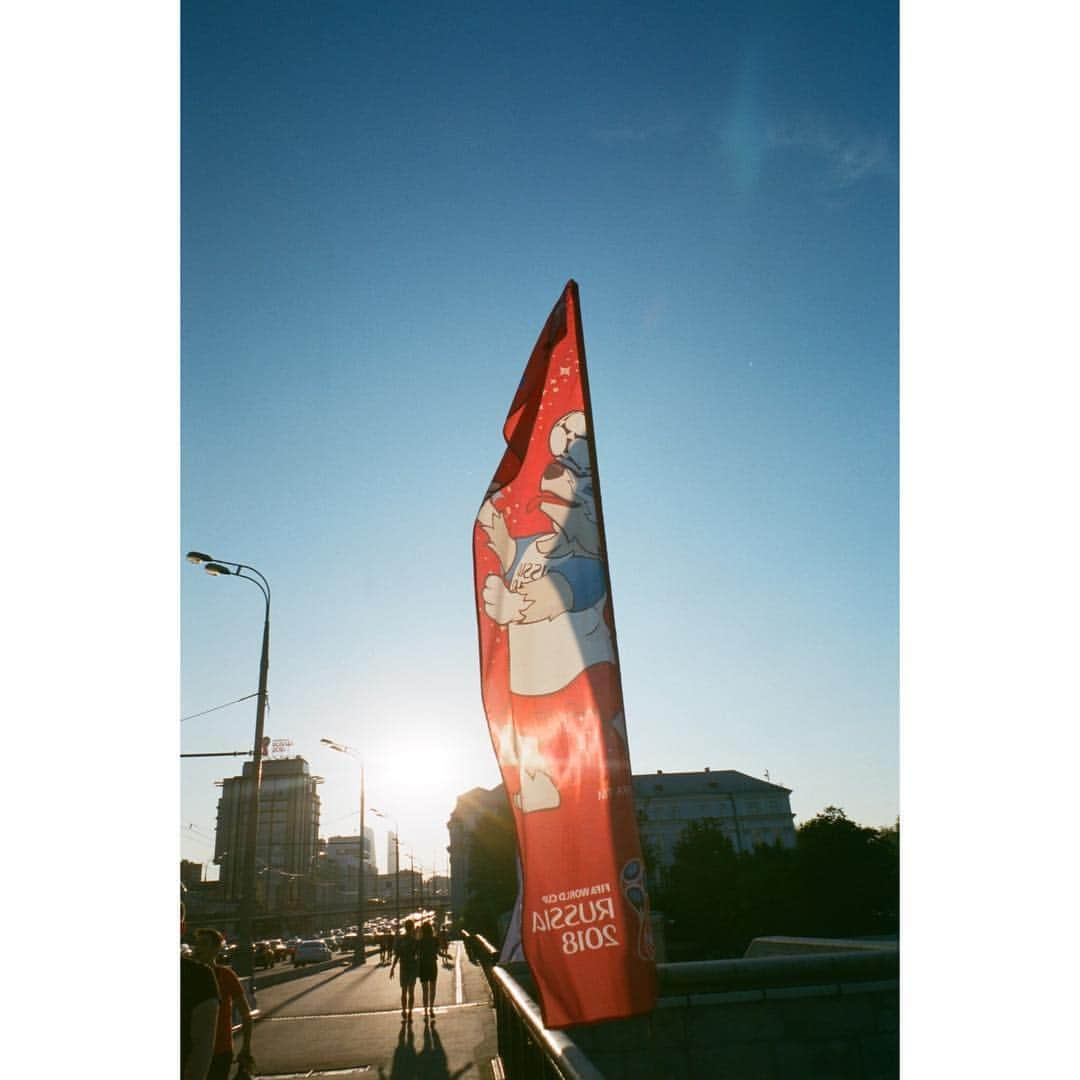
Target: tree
653,875
701,890
840,880
766,900
846,876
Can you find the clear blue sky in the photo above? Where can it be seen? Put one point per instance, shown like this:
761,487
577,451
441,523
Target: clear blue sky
379,207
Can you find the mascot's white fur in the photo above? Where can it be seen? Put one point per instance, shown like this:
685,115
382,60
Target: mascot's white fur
551,595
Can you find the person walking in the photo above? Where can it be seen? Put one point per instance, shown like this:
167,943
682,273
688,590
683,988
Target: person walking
428,967
198,1015
207,950
405,959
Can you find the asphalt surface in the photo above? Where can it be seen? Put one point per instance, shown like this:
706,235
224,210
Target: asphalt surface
342,1021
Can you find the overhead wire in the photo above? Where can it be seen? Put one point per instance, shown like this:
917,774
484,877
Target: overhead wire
216,707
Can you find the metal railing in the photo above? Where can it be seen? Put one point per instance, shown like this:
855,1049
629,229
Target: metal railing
527,1049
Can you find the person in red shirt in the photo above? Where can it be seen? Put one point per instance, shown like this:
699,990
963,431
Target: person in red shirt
207,947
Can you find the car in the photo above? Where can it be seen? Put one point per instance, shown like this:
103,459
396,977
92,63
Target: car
185,949
263,954
312,951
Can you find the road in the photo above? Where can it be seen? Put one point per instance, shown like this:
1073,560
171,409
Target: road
346,1021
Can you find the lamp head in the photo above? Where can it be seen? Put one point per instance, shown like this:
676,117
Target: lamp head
216,569
197,557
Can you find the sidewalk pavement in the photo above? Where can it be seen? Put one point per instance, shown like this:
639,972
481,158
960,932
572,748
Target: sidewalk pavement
460,1043
345,1021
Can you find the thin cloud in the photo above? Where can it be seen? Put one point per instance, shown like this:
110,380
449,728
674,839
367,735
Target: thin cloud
861,158
846,159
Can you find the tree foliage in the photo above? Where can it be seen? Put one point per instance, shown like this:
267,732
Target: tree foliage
701,887
840,880
848,876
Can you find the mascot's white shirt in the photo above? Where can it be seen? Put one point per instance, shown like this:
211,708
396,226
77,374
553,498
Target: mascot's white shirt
547,655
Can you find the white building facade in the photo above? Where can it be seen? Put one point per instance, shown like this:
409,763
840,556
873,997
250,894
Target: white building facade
749,811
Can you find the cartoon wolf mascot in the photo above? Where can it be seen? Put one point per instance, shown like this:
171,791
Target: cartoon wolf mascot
551,596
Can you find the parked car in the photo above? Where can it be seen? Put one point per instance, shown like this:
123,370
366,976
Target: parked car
311,952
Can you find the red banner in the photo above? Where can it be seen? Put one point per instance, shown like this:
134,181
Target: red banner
550,680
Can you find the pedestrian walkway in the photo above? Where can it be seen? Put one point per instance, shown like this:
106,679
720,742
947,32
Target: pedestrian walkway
346,1021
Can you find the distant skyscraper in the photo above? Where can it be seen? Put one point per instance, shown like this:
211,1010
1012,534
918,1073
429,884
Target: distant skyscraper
391,853
345,850
343,862
288,831
369,848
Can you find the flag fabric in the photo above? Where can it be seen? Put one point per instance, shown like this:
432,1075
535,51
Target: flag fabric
550,681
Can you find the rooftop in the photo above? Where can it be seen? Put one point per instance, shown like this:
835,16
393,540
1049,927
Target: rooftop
646,785
728,781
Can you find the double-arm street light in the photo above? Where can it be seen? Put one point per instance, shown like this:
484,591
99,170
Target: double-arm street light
216,568
361,898
397,863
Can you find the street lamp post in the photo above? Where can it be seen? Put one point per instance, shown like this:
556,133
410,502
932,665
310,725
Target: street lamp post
216,568
397,864
359,956
412,879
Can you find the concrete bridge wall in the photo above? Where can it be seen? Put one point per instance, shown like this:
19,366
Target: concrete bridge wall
792,1009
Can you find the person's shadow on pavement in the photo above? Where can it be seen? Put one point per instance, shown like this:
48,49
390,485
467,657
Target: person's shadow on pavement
429,1064
403,1067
